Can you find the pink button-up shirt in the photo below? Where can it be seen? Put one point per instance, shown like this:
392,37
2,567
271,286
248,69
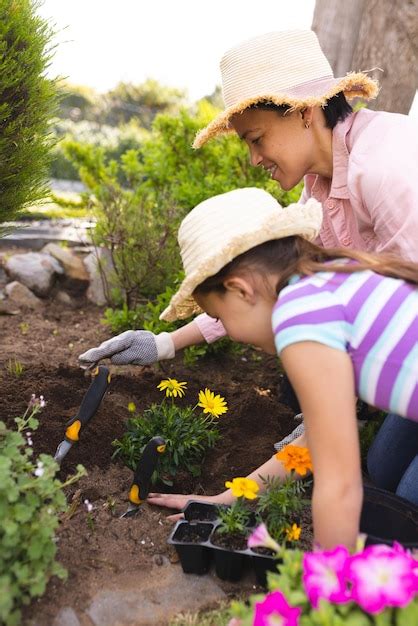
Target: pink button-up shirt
371,203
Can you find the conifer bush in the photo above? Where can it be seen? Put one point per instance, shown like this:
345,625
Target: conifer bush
27,103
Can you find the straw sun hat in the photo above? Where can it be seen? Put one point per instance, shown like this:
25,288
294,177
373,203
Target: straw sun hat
285,67
219,229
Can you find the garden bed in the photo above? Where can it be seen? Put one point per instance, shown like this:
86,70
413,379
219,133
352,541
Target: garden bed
99,546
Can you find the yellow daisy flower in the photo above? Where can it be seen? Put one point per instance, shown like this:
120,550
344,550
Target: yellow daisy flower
172,387
293,533
131,407
246,487
215,405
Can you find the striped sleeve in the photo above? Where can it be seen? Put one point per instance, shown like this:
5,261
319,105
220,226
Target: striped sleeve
315,315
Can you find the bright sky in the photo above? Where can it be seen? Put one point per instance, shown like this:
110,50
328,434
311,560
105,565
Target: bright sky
177,42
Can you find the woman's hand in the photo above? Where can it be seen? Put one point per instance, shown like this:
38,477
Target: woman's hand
179,501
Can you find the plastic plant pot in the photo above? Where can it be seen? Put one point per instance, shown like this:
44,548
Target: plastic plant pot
190,542
386,518
229,564
263,563
200,511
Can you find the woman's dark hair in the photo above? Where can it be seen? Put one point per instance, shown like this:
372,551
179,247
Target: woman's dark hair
335,110
295,255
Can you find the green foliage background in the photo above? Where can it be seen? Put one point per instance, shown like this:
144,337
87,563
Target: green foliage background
141,198
27,103
30,505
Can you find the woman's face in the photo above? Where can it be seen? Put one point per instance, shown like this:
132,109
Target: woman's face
280,144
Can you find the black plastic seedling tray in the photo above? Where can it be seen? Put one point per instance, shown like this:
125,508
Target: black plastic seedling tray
201,519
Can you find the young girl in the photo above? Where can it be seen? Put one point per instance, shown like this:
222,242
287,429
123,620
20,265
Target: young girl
344,323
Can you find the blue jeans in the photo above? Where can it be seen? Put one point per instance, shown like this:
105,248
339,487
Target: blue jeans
392,460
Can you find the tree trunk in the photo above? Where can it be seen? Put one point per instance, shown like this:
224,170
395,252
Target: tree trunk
366,34
337,25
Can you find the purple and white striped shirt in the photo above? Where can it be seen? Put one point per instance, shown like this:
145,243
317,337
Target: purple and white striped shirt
371,317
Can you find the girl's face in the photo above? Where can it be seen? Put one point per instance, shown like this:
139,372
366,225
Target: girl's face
280,144
244,311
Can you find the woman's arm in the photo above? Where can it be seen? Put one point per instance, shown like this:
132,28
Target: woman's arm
271,468
323,380
202,328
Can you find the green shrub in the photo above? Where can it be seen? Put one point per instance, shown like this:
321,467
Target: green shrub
147,317
188,434
165,178
27,103
114,141
31,499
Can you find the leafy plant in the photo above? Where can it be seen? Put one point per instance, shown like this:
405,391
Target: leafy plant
15,368
280,504
188,435
235,518
28,101
375,586
31,499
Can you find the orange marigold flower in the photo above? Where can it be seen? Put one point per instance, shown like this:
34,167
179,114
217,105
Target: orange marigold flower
295,458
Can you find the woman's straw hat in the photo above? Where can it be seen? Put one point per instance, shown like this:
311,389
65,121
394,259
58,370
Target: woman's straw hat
286,67
219,229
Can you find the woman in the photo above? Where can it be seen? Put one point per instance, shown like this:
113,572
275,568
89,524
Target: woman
283,101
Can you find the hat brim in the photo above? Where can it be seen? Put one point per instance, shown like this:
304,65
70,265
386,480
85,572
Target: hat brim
296,219
313,93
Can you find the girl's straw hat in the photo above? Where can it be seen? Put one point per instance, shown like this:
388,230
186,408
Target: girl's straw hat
219,229
285,67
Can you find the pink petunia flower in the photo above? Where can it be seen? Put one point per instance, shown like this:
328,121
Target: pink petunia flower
324,576
260,538
275,610
382,576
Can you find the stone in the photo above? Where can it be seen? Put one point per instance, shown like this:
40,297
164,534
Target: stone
20,295
165,592
99,266
65,298
35,270
66,617
72,264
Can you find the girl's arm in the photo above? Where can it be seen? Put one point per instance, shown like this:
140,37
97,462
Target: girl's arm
323,380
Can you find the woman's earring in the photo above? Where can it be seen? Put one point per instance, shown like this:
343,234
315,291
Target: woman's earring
307,124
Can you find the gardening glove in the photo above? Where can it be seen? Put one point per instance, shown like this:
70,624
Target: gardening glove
138,347
299,430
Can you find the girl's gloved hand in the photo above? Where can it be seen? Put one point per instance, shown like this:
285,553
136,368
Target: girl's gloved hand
137,347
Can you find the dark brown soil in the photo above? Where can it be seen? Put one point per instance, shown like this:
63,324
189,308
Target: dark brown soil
230,542
93,546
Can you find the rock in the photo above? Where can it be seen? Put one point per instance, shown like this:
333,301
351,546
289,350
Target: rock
96,292
165,592
72,264
20,295
65,298
35,270
66,617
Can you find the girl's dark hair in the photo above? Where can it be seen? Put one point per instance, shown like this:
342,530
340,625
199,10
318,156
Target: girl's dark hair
335,110
295,255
